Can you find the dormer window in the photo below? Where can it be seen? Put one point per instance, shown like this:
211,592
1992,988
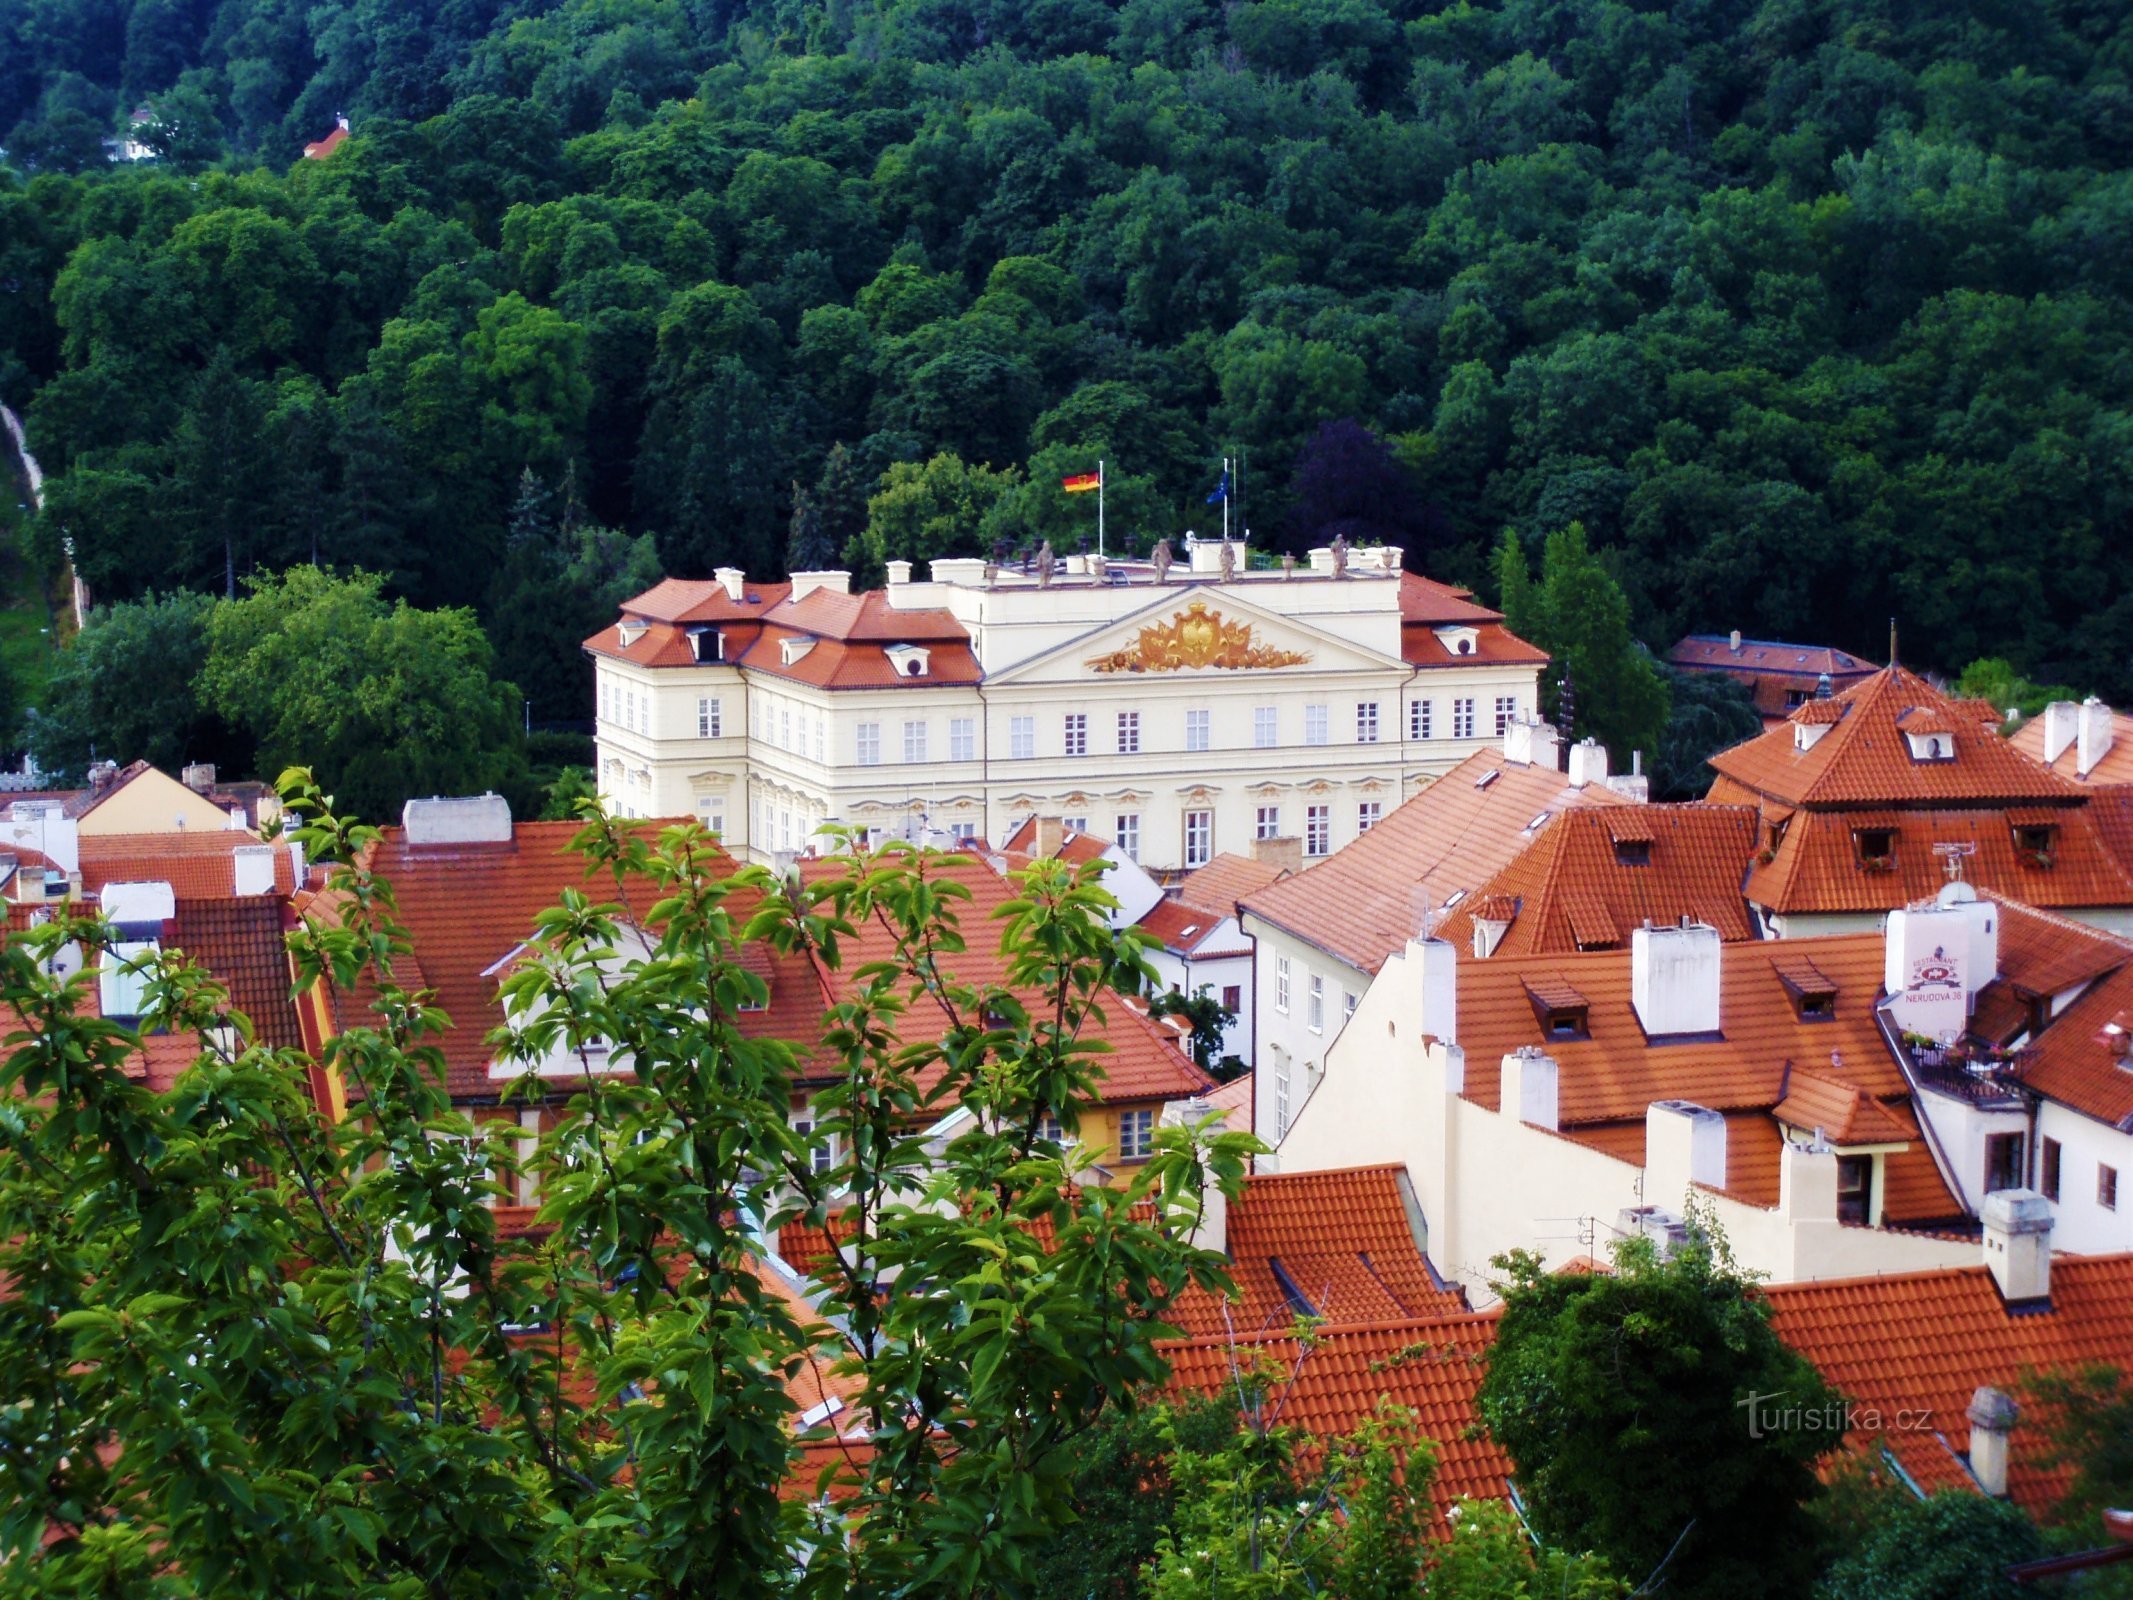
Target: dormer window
1563,1013
1458,641
909,660
1931,746
707,644
1806,735
1877,848
630,631
791,650
1813,993
2033,842
1633,852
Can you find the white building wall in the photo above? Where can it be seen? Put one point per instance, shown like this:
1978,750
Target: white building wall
2080,1222
1287,1053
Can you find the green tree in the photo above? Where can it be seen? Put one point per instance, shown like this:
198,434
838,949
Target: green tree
1948,1547
939,508
1579,615
1993,679
1629,1400
807,543
1202,1011
123,690
323,1390
1706,712
388,701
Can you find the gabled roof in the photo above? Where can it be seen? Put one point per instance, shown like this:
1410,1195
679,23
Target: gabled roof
1594,874
1369,898
1427,605
1777,674
2076,1062
1837,1109
1912,1348
1076,845
703,600
1186,931
241,941
1336,1245
1865,759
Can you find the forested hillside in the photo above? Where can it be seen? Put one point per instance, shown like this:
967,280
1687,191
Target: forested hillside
1811,311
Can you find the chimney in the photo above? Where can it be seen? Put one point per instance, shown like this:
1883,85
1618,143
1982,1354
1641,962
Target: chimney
1733,643
1823,688
1588,763
2097,728
1051,835
1934,958
2018,1246
733,580
2062,725
1807,1182
476,819
253,866
1529,1087
1684,1144
102,774
1674,976
1211,1230
806,583
1287,853
899,573
199,777
1992,1418
1439,966
1530,742
299,869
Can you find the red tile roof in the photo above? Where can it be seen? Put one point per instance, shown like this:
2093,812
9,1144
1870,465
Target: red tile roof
1369,898
1185,930
469,906
1493,645
2076,1062
1338,1242
703,600
1817,866
1615,1073
1839,1110
1777,674
1075,844
1865,759
1433,1368
2116,767
241,941
1218,886
197,866
1594,874
1908,1351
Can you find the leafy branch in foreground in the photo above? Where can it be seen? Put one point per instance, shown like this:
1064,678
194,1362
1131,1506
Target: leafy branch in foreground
251,1348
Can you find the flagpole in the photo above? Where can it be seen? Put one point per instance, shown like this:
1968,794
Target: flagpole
1225,499
1099,507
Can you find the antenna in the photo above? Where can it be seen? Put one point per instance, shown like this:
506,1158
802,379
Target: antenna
1953,853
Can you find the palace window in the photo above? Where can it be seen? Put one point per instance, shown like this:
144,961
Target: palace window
1021,738
1077,733
962,739
1368,814
1318,830
1129,733
1281,984
914,741
1366,722
1314,724
1126,834
1506,713
1199,838
1463,719
869,744
1266,727
1315,1004
1199,729
1418,719
1268,825
710,718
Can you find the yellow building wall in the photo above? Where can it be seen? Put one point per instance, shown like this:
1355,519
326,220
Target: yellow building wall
153,803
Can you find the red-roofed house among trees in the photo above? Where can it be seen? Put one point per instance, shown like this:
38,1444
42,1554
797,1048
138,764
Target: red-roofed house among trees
1780,677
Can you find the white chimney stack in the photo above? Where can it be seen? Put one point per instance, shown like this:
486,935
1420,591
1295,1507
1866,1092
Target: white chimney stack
2018,1245
1439,963
899,572
253,865
1530,742
1588,763
475,819
1674,977
1530,1087
2097,728
2062,724
806,583
1936,957
1211,1231
1733,644
1992,1418
732,580
1684,1144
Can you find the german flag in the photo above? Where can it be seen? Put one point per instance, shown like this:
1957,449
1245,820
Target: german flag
1082,483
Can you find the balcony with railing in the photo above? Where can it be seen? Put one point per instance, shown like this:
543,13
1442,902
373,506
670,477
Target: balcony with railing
1983,1075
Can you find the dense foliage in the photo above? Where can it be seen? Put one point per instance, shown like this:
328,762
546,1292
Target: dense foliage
1810,311
1655,1417
249,1349
1953,1546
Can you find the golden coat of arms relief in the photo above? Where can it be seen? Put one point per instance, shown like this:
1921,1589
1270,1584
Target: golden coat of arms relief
1196,637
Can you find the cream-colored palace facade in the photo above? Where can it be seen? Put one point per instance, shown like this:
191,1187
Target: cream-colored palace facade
1180,712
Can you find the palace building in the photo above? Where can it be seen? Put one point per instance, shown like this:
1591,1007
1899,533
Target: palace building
1177,710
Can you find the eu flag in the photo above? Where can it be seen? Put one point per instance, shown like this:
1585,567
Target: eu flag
1221,489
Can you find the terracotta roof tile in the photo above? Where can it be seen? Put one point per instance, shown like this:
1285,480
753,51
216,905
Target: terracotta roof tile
1218,886
1614,1073
1075,845
1339,1243
1592,875
1433,1368
1493,645
1918,1345
1425,602
703,600
1817,866
241,942
1777,674
197,866
2076,1062
1865,760
1185,930
1369,898
1839,1110
841,664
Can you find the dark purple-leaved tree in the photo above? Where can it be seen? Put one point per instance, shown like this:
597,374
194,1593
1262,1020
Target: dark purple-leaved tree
1348,482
